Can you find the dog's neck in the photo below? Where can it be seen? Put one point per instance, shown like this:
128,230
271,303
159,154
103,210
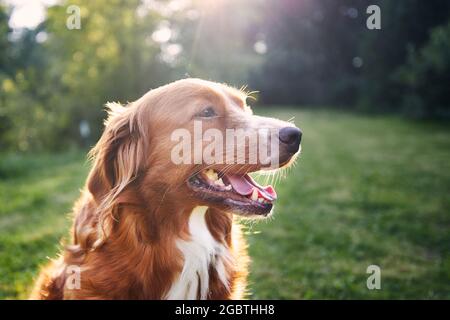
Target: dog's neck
202,254
202,239
174,253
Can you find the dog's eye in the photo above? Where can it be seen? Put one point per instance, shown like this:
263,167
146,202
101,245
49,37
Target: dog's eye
208,112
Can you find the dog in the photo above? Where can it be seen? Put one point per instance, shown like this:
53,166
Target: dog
146,228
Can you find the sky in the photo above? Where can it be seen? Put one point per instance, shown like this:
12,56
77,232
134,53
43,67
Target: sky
27,13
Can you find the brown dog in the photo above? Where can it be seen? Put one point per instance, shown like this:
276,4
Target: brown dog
147,228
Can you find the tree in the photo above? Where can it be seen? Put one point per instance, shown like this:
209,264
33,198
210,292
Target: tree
311,48
405,24
5,70
426,76
69,74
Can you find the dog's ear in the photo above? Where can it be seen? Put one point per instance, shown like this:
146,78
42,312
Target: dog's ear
118,158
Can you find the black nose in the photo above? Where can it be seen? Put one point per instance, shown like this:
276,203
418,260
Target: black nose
291,136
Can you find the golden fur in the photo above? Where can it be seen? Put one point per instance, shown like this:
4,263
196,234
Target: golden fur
135,203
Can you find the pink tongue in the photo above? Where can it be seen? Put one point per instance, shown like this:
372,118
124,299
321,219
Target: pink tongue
240,184
244,185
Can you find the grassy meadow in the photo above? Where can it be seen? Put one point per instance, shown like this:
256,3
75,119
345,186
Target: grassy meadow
366,190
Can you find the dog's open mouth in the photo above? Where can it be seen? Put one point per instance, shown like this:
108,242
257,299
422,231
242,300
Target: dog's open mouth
240,193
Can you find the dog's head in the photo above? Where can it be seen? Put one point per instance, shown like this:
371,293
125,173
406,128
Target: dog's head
191,142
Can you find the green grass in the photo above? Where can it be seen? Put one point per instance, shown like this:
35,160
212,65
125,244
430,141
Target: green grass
36,194
366,190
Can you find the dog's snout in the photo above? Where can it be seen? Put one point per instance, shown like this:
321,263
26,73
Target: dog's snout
291,136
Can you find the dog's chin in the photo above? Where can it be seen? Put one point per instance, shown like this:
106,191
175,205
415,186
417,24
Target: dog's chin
238,194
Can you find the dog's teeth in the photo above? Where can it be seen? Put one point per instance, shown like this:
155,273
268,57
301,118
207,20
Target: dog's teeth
228,187
211,174
219,182
254,196
260,200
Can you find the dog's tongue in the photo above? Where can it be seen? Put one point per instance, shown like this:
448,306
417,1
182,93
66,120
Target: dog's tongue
244,185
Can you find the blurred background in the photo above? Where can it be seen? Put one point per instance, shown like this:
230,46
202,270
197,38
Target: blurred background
371,187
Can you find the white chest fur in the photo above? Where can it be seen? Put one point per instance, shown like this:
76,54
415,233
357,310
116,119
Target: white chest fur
199,253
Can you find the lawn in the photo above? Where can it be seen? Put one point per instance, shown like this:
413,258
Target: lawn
366,190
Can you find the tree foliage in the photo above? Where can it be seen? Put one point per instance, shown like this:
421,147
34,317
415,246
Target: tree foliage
426,76
309,52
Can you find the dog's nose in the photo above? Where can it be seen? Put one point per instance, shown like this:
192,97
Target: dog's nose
291,136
